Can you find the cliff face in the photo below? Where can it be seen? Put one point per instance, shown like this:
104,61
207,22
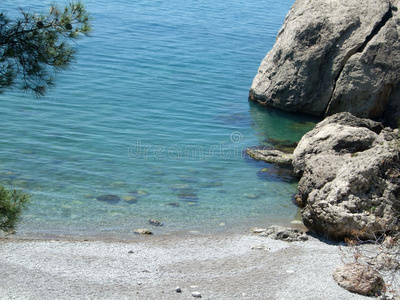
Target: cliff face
332,56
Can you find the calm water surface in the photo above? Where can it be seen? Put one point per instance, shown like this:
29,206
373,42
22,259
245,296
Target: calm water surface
154,111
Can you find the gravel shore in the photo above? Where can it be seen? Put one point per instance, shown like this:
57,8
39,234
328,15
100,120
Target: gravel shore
152,267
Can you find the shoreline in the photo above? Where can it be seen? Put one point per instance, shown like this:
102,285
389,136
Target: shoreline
132,237
229,266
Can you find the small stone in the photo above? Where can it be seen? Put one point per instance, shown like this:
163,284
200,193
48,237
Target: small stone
143,231
178,289
130,252
173,204
155,223
259,247
196,294
257,230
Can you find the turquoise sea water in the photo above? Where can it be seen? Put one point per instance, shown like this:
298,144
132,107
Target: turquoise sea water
155,108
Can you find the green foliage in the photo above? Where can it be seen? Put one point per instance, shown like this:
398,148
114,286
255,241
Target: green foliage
34,47
11,204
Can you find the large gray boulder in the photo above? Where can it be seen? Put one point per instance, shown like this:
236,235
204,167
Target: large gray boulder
332,56
350,177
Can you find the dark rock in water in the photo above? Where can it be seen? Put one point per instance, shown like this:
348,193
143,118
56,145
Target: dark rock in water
155,223
360,279
302,126
173,204
129,199
285,146
112,199
279,173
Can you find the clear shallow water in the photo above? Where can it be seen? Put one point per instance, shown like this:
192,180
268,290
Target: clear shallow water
155,108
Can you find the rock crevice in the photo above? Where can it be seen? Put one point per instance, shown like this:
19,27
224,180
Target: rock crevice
360,49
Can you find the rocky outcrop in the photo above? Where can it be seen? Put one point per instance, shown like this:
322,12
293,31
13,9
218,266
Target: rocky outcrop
350,177
332,56
359,279
282,233
271,156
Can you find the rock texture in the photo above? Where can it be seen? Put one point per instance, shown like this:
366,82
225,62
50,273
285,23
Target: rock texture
350,177
282,233
332,56
359,279
270,156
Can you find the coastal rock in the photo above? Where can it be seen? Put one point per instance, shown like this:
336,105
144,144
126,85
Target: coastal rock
270,156
350,179
357,278
143,231
285,234
333,56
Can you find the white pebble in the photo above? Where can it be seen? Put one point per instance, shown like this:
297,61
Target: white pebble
196,294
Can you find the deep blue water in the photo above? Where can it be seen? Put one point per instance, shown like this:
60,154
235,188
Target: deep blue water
155,107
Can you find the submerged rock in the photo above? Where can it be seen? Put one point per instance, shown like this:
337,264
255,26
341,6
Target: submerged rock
285,146
335,56
360,279
188,195
350,178
270,156
280,173
155,223
129,199
112,199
